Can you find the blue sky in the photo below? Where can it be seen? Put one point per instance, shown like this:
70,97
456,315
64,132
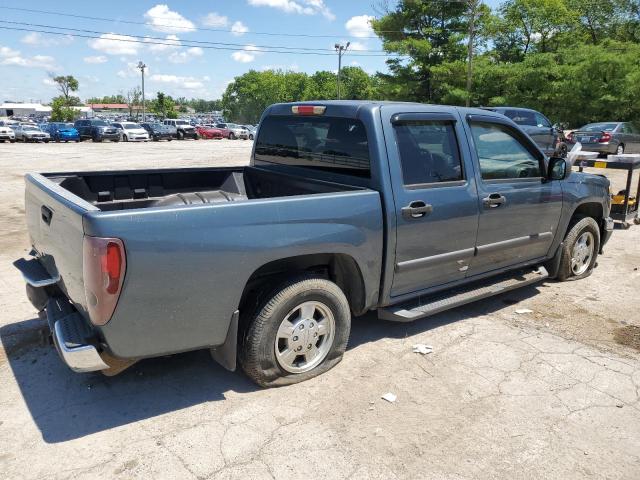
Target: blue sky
105,66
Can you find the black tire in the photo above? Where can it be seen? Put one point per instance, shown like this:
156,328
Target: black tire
256,353
620,149
232,136
180,135
125,138
577,227
251,137
563,150
12,141
97,139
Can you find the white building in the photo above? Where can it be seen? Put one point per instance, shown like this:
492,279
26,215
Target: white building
23,109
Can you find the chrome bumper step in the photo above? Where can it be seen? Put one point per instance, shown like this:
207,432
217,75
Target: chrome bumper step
71,336
426,306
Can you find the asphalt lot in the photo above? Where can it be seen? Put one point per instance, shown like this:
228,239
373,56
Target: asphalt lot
547,394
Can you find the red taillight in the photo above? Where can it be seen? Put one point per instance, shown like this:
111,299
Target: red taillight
103,268
308,110
605,137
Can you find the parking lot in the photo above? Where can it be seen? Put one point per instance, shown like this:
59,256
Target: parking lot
551,392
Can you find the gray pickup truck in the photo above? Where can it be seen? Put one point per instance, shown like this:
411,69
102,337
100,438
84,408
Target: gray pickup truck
346,207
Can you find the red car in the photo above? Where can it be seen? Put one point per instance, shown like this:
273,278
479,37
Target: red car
208,132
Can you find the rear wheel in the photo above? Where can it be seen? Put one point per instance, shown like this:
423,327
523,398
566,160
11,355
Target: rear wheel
299,331
232,136
580,250
620,149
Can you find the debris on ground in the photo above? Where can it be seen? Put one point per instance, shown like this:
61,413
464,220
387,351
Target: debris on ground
389,397
422,349
628,335
522,311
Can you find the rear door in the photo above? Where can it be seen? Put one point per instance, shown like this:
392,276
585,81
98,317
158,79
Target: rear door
435,197
519,210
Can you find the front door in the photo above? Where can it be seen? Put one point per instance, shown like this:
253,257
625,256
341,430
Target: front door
519,210
435,198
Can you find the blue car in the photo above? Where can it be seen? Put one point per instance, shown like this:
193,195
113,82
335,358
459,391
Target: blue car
63,132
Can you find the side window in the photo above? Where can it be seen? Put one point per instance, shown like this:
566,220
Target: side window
521,117
428,152
501,154
542,120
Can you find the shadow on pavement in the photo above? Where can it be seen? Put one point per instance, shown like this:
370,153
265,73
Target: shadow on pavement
65,405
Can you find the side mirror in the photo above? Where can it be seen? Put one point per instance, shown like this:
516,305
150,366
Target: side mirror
559,168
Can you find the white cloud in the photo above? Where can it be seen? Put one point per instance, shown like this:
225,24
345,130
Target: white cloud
185,55
189,83
302,7
357,46
131,71
360,26
287,68
95,59
114,44
238,28
162,19
8,52
11,57
48,82
170,43
37,39
247,54
214,19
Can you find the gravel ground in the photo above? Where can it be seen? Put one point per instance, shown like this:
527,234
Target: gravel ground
547,394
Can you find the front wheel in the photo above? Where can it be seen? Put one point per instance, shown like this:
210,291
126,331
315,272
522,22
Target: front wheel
180,135
232,136
580,250
298,332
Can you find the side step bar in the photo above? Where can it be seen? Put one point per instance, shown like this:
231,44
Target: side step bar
426,306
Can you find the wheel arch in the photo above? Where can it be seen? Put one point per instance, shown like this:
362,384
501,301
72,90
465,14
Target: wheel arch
340,268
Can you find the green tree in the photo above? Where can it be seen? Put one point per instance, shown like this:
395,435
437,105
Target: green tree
61,112
67,84
163,106
133,100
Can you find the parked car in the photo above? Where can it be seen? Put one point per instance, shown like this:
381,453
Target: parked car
157,131
346,207
252,131
132,132
97,130
62,132
183,128
234,131
7,134
26,132
208,132
536,125
607,137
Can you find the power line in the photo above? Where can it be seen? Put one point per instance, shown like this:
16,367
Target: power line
168,25
131,39
178,42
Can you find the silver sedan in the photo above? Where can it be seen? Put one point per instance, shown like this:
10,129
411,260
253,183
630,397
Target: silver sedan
608,137
30,133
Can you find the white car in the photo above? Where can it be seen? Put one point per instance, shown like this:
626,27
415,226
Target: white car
7,133
132,132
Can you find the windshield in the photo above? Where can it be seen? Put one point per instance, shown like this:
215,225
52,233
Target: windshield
599,127
29,128
131,126
182,122
100,123
67,125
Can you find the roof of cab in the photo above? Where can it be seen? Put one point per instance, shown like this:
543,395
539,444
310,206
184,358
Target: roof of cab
356,105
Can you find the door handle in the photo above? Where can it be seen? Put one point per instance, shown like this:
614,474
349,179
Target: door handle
417,209
494,200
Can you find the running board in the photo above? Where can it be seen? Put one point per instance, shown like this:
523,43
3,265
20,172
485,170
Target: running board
439,302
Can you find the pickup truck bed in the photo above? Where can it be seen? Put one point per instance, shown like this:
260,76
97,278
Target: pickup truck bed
184,283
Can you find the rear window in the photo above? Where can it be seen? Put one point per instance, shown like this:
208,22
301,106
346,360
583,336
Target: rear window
325,143
522,117
99,123
599,127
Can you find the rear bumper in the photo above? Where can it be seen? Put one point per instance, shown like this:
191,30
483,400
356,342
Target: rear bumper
609,147
71,337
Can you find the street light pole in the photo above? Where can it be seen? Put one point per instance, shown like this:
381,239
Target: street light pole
142,66
340,49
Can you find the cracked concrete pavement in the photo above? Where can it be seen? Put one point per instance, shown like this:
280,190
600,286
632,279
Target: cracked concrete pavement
503,395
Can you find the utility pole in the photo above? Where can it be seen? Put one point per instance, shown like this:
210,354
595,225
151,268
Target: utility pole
142,66
474,6
340,49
